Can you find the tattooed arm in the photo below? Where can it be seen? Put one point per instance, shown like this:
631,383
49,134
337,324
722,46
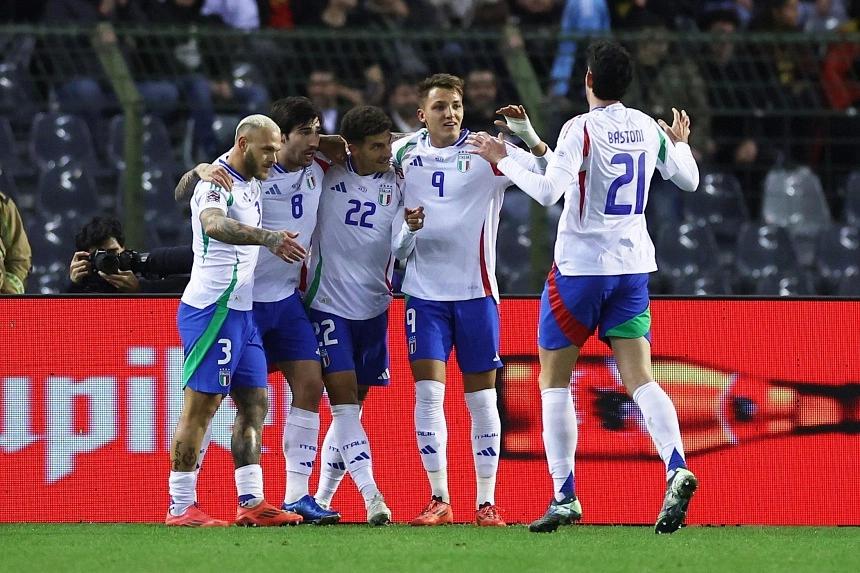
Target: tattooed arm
220,227
203,171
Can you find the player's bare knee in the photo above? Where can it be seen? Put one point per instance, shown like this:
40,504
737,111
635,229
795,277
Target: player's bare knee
252,405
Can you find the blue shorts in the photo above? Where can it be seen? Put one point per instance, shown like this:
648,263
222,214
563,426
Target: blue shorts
571,307
358,345
471,326
286,330
222,347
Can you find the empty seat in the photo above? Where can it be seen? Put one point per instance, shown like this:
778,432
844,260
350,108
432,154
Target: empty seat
16,101
516,208
837,255
59,139
157,187
851,209
157,151
68,191
790,283
52,245
714,282
762,251
794,199
719,203
664,205
686,249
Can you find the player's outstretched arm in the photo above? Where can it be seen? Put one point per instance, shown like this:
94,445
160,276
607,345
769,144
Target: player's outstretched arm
202,172
219,226
678,164
517,123
546,188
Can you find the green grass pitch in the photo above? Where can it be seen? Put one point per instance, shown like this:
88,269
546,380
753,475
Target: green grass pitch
92,547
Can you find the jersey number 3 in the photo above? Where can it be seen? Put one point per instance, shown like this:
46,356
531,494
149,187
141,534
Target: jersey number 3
625,159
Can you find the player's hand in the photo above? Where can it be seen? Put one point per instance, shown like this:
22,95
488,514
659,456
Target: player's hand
517,122
124,281
680,129
334,147
493,149
214,174
283,244
415,218
80,266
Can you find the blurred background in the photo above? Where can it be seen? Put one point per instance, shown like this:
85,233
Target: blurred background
105,103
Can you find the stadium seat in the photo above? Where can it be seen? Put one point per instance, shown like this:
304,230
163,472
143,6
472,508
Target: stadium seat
797,282
52,243
794,199
849,285
68,191
513,258
224,127
710,282
16,101
516,207
157,188
57,140
851,209
664,205
157,151
7,184
762,251
685,249
719,203
837,256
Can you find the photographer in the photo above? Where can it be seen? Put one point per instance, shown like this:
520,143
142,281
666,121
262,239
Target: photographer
103,265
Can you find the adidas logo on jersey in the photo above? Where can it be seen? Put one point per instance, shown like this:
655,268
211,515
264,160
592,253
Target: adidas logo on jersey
416,162
273,190
340,187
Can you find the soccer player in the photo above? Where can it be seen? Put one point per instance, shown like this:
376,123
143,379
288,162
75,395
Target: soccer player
602,165
451,286
223,350
362,227
289,200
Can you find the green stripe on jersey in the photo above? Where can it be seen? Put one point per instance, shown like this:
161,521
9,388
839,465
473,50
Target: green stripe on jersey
636,327
205,244
413,141
661,155
315,283
207,339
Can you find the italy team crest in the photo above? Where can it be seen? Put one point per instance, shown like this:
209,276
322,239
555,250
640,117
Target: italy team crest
311,182
385,192
464,161
224,377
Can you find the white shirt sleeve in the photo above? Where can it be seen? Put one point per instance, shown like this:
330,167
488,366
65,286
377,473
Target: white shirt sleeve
402,239
676,163
561,171
210,195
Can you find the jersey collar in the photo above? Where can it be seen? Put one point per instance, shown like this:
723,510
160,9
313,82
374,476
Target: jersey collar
232,171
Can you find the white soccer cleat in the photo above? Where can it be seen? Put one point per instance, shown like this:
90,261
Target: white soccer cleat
377,512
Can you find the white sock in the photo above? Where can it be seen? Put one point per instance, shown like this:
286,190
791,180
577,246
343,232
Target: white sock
486,441
301,436
332,469
204,447
559,439
661,419
249,485
432,434
355,448
183,491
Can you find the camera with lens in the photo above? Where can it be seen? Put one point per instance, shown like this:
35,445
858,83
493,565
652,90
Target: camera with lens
112,263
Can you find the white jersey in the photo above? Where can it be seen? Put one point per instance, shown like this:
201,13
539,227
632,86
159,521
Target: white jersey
603,165
221,272
455,253
290,201
360,226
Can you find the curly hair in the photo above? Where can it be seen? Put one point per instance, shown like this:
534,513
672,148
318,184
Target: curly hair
363,121
97,231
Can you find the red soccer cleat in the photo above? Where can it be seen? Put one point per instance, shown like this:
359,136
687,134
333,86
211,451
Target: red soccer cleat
264,514
437,512
488,516
193,517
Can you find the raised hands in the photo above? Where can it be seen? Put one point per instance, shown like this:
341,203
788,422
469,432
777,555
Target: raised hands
680,129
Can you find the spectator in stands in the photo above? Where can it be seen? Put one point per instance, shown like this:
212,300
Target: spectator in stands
164,270
336,14
823,15
840,79
403,105
15,255
661,75
578,16
327,94
737,136
481,101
